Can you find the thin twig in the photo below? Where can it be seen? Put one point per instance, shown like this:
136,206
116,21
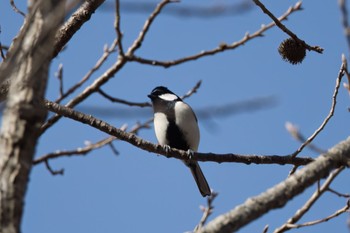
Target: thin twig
221,48
282,193
1,47
14,7
106,76
335,214
89,148
344,19
117,28
207,211
121,101
345,195
286,30
346,71
114,150
312,200
145,104
2,52
266,228
138,126
137,43
59,75
193,90
78,151
106,53
331,112
295,132
53,172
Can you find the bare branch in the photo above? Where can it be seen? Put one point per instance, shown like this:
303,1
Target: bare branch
346,71
78,151
266,228
193,90
59,75
121,101
296,134
331,112
144,104
65,33
74,23
286,30
280,194
114,150
344,19
53,172
306,207
345,195
137,43
107,52
117,28
179,154
112,70
221,48
83,151
2,52
207,211
15,9
337,213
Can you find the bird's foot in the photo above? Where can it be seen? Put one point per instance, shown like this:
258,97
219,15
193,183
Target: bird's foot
190,154
167,148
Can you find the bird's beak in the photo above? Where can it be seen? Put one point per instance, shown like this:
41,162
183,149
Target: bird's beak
150,96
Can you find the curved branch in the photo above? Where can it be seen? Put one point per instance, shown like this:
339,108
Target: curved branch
331,111
137,43
113,69
306,207
221,48
280,194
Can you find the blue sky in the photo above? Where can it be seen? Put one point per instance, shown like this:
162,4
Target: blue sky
137,191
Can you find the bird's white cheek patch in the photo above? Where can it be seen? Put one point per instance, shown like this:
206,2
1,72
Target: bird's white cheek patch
160,127
168,97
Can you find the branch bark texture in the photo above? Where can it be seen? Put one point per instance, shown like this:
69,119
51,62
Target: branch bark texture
279,195
27,67
74,23
63,35
170,153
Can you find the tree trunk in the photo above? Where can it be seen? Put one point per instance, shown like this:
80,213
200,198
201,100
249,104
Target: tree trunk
27,66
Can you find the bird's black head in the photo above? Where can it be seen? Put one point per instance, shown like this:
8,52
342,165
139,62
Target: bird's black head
163,93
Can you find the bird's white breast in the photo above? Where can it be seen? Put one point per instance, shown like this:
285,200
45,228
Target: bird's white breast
160,127
186,121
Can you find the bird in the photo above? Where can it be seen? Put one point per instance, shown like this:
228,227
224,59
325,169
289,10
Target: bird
176,126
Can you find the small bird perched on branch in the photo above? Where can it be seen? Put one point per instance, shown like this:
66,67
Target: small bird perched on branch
176,126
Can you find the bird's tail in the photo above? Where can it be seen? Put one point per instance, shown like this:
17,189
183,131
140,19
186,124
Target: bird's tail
199,177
